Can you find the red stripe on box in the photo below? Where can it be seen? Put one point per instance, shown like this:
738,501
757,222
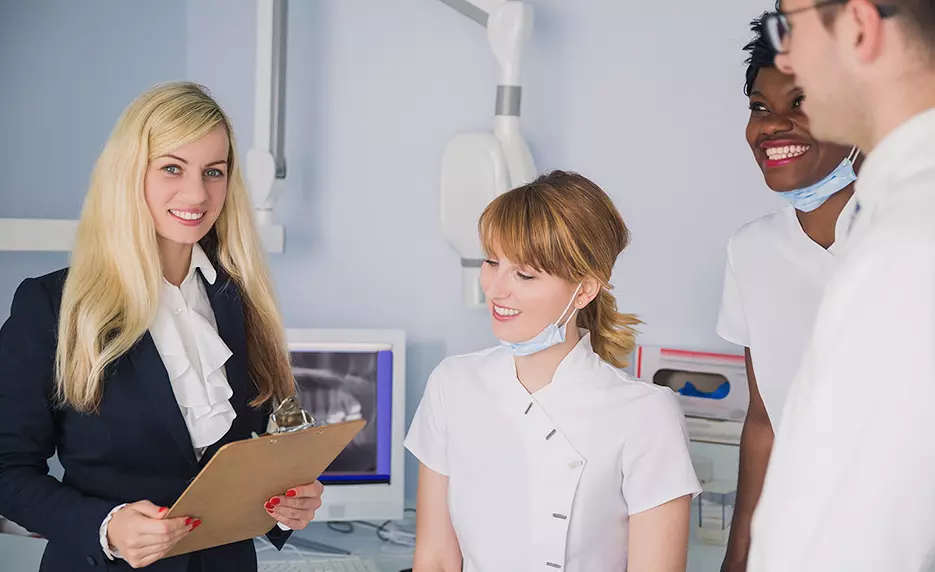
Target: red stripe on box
688,354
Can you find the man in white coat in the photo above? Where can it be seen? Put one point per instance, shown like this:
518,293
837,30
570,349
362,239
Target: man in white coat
851,483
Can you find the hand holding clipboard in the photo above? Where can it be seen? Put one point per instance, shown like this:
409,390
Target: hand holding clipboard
231,493
296,508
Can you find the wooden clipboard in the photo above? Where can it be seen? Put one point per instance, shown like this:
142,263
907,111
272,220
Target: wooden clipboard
229,494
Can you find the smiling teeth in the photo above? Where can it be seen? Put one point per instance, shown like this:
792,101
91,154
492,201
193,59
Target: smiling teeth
505,312
187,215
787,152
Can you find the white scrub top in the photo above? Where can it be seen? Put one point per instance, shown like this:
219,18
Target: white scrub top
851,481
773,284
547,481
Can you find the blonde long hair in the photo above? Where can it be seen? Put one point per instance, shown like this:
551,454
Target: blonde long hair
566,226
112,290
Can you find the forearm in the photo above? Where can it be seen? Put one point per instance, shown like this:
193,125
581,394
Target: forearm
437,546
427,562
57,512
756,443
437,551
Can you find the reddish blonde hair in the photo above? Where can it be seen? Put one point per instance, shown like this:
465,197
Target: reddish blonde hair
566,226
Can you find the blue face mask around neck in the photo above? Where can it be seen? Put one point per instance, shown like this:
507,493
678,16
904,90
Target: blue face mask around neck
811,197
551,335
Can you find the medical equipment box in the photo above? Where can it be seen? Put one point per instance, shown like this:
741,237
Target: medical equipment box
711,387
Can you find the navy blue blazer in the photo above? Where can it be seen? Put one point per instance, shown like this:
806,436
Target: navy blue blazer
137,446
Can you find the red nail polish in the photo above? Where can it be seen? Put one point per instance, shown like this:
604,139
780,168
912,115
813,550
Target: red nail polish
274,501
268,506
291,493
163,509
196,524
188,521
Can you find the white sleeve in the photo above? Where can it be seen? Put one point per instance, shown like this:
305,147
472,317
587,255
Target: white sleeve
428,438
109,552
657,467
851,480
732,320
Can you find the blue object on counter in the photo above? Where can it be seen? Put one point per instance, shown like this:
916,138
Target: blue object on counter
690,390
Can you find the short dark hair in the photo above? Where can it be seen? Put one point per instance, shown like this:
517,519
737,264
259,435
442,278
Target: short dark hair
918,16
761,52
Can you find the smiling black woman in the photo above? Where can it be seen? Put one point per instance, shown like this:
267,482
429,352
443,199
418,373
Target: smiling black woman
778,264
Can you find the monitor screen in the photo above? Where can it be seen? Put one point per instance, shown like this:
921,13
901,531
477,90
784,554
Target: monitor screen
344,384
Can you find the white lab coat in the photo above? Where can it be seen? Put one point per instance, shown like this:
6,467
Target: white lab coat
548,481
851,481
773,285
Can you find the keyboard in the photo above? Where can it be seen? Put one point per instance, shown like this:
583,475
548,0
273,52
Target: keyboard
341,564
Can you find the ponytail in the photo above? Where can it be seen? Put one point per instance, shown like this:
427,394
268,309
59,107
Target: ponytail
613,334
566,226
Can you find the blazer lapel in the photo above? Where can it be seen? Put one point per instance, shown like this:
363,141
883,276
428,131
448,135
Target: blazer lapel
151,371
227,305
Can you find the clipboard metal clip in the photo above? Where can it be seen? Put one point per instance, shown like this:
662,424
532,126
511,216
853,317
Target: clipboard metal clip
289,417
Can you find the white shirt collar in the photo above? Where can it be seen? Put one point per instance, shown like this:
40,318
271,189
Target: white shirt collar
583,350
201,261
579,359
842,225
502,366
908,149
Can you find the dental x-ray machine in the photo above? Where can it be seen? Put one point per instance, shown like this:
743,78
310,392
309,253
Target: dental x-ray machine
476,167
265,162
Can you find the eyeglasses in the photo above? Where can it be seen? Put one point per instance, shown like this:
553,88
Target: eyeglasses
778,28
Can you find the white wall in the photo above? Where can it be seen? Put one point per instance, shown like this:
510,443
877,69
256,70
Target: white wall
67,70
643,97
650,106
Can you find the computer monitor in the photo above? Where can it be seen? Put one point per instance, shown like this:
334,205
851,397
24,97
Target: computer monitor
351,374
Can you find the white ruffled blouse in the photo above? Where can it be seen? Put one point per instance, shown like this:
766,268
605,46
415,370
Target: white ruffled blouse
186,336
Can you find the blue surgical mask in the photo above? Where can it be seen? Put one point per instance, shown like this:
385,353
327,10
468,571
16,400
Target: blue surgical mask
552,335
811,197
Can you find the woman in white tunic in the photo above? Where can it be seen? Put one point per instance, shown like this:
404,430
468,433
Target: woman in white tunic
540,454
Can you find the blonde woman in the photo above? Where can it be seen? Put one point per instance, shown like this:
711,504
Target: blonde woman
540,454
161,343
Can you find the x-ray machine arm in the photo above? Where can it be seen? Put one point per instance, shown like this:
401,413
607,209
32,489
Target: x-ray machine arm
476,167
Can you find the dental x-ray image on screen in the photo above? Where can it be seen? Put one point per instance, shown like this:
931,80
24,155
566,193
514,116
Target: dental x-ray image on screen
337,386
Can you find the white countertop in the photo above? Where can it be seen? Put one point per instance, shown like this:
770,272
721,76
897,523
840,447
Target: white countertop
23,554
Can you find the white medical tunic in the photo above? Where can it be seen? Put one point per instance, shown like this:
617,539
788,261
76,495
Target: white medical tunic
773,284
548,481
851,481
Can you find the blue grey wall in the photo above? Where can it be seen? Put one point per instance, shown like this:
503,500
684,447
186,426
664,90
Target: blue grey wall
646,103
68,69
650,106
